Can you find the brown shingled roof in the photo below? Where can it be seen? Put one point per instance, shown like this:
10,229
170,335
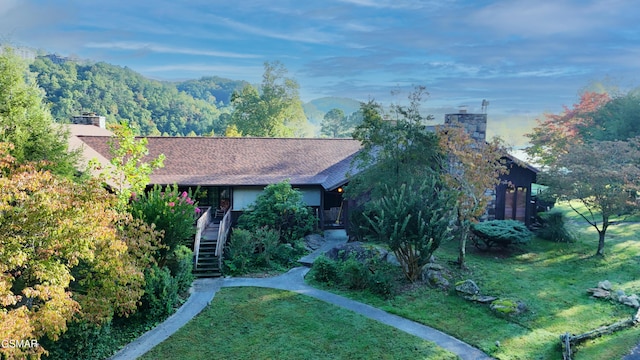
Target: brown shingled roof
245,161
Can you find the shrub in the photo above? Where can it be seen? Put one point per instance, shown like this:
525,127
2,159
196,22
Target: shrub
376,276
553,227
160,297
180,265
281,208
324,270
172,212
268,242
82,340
354,274
239,251
500,232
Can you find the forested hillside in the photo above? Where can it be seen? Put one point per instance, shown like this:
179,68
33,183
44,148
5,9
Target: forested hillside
187,108
153,107
213,89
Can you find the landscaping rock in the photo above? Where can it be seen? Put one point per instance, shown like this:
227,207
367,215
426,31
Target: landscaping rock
483,299
361,251
605,285
619,294
436,279
508,307
468,287
433,266
313,241
599,293
631,300
392,259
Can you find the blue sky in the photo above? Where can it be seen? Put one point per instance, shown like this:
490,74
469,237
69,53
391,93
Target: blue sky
524,56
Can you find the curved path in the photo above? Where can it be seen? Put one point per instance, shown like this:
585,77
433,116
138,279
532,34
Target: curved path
204,290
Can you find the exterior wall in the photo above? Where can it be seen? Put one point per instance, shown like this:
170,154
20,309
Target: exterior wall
244,196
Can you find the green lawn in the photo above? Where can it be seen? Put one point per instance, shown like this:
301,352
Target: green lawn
257,323
551,278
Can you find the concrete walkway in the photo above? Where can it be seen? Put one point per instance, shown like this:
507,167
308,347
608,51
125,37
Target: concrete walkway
203,291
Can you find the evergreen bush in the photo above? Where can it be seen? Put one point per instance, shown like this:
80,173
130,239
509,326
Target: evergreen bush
500,233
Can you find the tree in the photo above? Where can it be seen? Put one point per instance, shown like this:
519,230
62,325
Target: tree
62,255
557,133
587,167
602,176
334,124
617,119
413,221
396,147
473,170
128,173
26,122
274,111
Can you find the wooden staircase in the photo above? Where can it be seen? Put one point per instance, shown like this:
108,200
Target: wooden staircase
208,264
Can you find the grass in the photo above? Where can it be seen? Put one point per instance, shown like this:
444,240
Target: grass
551,278
257,323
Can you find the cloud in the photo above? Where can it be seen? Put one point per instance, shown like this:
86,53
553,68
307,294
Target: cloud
534,18
304,34
397,4
139,46
252,73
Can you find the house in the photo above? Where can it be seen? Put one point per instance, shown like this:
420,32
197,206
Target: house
233,171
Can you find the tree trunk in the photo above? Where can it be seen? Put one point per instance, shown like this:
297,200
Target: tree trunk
462,251
600,251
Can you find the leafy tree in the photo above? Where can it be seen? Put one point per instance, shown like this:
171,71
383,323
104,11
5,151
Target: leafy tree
333,125
413,221
274,111
588,168
557,133
63,255
617,119
26,122
232,131
473,170
602,176
396,148
128,173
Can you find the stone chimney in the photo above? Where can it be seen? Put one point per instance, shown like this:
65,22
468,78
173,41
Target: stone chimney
89,118
474,124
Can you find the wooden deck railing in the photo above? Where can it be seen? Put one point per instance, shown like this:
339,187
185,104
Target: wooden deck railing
201,224
223,234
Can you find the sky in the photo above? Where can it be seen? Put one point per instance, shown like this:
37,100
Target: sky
525,57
